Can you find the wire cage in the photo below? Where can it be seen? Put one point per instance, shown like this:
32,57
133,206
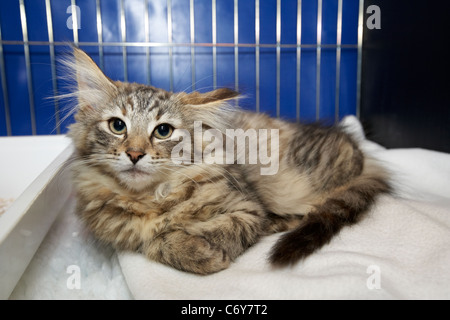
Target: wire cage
290,58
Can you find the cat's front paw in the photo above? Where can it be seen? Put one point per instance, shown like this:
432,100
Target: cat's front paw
206,258
190,253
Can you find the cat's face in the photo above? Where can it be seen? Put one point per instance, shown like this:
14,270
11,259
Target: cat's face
129,130
132,135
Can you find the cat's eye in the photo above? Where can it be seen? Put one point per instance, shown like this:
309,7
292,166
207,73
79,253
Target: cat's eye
163,131
117,126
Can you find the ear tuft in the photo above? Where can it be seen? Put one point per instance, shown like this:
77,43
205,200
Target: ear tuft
93,87
212,97
212,108
88,74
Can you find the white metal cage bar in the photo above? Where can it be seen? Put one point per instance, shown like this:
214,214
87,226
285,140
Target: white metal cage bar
192,38
26,48
98,14
179,44
298,59
123,33
4,87
338,61
170,40
257,54
48,12
278,57
147,39
214,41
318,56
236,42
360,40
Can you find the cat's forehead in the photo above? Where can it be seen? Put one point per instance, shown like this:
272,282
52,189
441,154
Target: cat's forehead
138,96
136,99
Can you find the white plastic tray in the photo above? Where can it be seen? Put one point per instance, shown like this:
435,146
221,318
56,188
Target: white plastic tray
31,173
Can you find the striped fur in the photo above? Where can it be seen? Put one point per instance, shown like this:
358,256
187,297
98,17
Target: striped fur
199,217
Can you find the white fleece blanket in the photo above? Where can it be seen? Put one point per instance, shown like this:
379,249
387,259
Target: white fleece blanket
400,251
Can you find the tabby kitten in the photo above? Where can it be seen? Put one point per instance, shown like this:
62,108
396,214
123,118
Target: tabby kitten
195,216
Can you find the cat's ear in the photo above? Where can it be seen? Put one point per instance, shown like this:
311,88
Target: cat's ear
211,108
93,86
212,98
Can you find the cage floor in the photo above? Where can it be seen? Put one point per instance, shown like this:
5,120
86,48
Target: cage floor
67,247
30,173
26,157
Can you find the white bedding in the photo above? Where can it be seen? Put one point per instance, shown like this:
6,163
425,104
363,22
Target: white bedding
400,251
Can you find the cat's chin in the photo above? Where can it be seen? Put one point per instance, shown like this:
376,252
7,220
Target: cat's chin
136,179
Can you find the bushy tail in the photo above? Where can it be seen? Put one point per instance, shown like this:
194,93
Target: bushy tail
345,207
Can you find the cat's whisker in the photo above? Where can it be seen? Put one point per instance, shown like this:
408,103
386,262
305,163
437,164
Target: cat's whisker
178,172
190,87
215,169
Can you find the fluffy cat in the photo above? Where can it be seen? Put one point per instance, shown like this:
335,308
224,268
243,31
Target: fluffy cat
197,216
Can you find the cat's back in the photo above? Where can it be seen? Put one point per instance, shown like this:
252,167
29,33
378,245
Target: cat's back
313,159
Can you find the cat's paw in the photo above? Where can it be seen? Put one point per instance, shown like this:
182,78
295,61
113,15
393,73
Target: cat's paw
204,257
190,253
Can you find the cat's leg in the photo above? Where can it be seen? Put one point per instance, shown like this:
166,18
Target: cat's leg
209,246
187,252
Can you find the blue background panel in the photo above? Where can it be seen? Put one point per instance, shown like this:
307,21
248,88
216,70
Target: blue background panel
171,67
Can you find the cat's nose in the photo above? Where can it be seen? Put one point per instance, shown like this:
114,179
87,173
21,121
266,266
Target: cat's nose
135,156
